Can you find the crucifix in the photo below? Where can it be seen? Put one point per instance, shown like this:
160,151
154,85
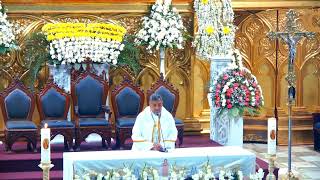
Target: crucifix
291,37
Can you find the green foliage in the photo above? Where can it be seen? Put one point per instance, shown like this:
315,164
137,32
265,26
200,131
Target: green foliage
239,111
130,55
36,55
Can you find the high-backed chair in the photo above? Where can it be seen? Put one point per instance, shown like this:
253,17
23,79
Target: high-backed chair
17,104
127,102
316,131
53,105
89,93
170,96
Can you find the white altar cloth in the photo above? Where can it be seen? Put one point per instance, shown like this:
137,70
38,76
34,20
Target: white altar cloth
100,161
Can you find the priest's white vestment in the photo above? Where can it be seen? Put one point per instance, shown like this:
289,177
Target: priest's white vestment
148,130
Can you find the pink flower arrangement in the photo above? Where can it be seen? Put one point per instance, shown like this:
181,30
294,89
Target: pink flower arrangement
237,90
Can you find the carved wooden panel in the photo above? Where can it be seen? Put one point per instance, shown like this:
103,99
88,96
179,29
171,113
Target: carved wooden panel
258,51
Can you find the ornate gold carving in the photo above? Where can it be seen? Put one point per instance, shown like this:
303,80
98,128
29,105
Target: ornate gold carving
316,21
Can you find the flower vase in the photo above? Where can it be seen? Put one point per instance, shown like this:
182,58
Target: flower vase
229,129
162,60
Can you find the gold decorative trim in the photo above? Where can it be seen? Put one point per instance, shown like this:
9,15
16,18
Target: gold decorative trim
142,7
91,8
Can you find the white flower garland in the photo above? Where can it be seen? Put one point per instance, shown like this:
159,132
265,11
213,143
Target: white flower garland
76,50
162,28
6,31
216,32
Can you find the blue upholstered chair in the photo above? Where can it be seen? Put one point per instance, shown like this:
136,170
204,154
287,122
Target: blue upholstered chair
127,102
53,105
170,97
316,131
89,93
17,104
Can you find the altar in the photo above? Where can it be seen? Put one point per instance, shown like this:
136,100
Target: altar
79,163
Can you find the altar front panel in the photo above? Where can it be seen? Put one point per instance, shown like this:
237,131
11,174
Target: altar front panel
192,158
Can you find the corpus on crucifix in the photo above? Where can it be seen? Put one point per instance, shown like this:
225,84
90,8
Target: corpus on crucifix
291,37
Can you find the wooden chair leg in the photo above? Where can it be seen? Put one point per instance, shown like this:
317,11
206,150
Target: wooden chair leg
103,142
108,139
34,144
29,146
8,143
8,147
77,140
70,142
122,138
180,136
65,142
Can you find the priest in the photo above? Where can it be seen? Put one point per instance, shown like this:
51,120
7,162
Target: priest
154,128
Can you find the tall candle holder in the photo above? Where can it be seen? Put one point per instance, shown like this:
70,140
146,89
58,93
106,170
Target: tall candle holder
46,170
271,160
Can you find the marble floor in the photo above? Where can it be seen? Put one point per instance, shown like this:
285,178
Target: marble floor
305,161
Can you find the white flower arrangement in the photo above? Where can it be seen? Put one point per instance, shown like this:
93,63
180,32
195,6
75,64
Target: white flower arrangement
206,173
77,50
258,175
122,173
163,28
7,36
176,173
216,31
149,172
77,42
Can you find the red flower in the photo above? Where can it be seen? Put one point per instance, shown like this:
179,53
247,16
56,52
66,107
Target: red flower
225,77
229,106
247,99
228,101
218,86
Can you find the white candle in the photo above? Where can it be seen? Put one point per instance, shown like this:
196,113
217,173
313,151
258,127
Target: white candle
45,144
272,136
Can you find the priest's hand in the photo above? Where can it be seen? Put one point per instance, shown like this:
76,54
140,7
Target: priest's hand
156,147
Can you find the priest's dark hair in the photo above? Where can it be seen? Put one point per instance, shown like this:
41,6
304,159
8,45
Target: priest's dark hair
155,97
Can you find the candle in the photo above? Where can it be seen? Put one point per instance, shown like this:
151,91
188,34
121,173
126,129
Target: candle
272,136
45,144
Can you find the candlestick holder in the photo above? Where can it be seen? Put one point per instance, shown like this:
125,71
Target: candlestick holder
271,159
291,176
46,170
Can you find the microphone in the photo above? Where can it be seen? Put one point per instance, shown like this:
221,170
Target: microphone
162,149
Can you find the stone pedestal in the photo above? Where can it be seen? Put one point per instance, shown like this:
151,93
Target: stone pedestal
217,65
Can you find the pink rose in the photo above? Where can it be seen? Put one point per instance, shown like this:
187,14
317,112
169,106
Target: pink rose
225,77
229,106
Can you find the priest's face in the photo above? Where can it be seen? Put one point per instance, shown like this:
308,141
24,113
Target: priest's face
156,106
